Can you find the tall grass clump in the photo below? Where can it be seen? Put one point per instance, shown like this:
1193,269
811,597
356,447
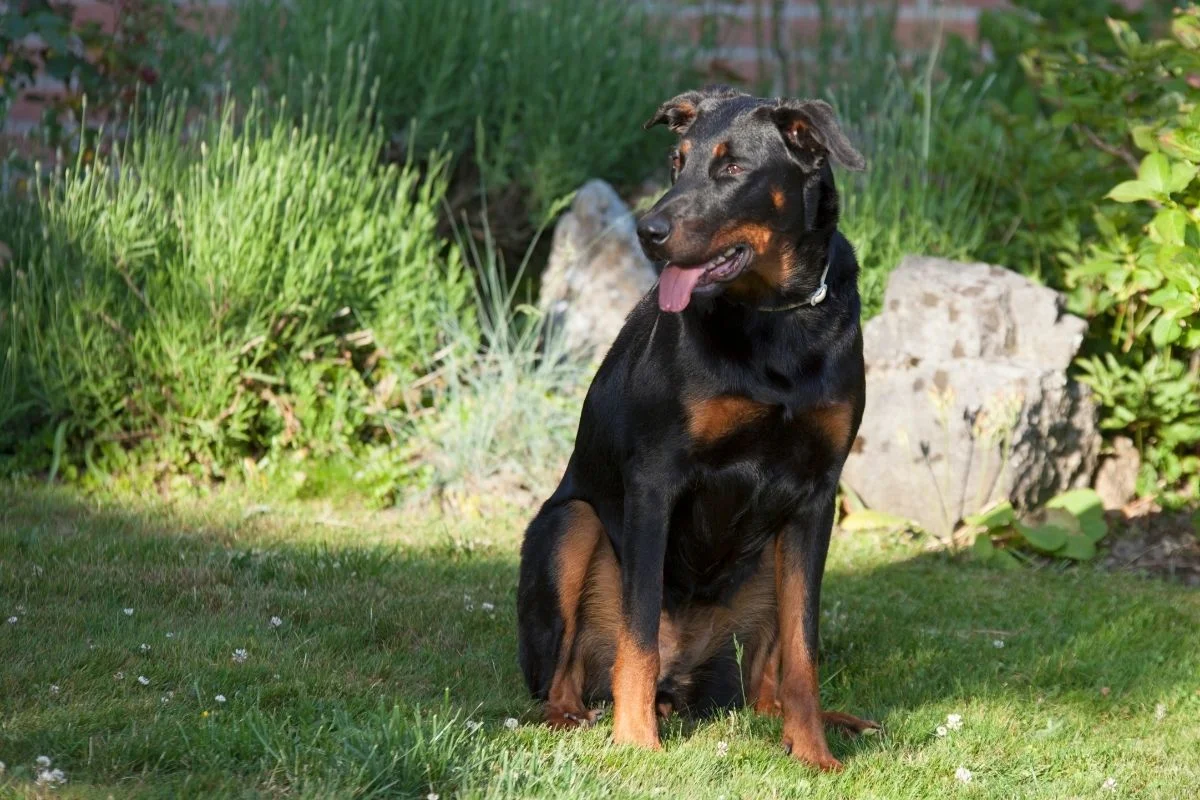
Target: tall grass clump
544,95
510,393
923,191
228,291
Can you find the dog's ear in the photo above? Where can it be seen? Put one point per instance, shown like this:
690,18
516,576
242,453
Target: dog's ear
811,131
680,111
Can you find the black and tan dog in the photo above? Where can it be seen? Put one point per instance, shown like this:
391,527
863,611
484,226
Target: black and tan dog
696,509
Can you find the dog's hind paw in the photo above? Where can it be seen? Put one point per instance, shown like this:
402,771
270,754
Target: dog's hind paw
851,724
562,719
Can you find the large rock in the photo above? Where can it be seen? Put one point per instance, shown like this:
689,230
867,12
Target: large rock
597,271
968,399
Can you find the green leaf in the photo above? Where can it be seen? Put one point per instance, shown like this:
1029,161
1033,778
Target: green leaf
1155,172
1087,507
1047,538
1144,138
1005,560
997,516
1078,547
1186,29
1170,226
1182,174
1131,192
983,547
869,520
1165,331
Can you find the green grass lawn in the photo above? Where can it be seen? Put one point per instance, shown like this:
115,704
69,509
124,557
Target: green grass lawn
391,667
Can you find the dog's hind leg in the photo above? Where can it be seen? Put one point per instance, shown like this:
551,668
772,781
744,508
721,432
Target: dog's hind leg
555,559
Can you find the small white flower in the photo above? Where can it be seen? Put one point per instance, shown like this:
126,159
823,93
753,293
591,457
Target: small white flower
220,698
43,762
54,688
129,612
488,607
940,730
473,726
21,608
275,622
722,748
431,796
240,655
52,777
170,635
954,721
145,648
12,620
1160,712
119,676
1109,785
165,699
143,680
998,643
963,775
3,767
511,723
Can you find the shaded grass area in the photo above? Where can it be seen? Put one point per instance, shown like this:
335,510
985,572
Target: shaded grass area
386,650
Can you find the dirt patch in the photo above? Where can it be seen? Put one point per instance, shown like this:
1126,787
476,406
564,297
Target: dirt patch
1160,544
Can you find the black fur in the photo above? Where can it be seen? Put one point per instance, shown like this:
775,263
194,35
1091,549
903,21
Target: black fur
688,519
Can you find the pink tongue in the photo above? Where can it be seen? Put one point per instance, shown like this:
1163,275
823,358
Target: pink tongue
675,287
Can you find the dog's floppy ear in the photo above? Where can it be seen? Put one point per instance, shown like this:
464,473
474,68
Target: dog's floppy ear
811,131
680,111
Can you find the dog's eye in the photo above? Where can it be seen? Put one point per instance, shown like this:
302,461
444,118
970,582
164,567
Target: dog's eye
731,169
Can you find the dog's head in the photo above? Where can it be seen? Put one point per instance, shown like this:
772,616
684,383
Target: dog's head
750,177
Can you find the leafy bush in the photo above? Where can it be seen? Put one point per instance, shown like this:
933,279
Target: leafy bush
1139,279
544,94
224,292
1069,526
1043,193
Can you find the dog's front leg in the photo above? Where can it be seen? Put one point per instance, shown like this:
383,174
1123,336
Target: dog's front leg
800,551
635,670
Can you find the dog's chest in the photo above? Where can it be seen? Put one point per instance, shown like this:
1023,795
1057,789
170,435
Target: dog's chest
752,467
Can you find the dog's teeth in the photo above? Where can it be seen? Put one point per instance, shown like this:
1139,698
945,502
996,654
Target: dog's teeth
729,252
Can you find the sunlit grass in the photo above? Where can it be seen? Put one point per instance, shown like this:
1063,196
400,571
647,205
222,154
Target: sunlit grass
397,630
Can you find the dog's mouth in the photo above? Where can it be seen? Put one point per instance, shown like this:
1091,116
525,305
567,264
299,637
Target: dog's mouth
679,281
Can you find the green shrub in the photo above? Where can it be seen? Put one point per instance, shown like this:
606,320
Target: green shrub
1139,278
1043,193
545,95
223,291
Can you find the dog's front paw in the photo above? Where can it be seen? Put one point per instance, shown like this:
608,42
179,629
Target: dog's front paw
811,750
638,732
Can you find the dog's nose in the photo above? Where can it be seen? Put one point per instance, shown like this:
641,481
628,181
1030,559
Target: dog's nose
654,229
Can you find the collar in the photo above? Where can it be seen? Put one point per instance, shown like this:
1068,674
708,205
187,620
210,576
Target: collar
819,294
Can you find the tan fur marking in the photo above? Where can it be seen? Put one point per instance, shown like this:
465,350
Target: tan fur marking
757,235
835,423
718,417
685,146
574,557
799,690
634,685
764,682
720,150
777,198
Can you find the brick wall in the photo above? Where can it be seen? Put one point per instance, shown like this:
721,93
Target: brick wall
742,47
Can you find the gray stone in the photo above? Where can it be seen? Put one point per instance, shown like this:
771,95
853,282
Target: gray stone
596,273
1116,480
968,399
